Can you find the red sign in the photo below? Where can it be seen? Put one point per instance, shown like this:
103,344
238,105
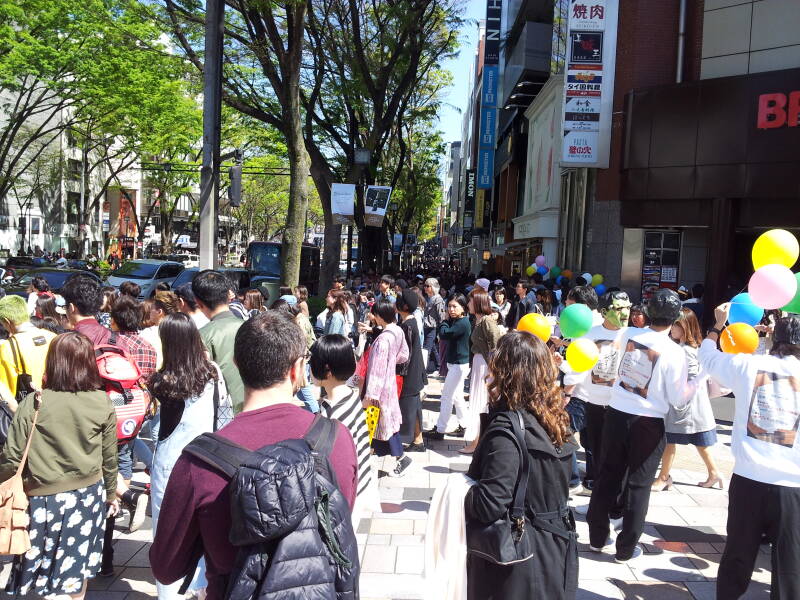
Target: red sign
778,110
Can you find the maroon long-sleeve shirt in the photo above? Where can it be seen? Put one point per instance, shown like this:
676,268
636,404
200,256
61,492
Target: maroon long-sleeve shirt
195,512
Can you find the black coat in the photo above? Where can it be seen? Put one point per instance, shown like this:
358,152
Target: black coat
552,573
519,308
414,378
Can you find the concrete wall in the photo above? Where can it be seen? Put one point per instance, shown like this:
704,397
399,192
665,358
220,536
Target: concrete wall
603,241
750,36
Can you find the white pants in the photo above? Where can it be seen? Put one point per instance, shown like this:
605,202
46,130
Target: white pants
453,393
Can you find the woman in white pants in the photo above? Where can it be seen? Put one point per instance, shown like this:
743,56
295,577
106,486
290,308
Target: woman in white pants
456,331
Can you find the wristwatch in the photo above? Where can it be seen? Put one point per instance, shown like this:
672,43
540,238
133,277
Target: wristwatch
715,330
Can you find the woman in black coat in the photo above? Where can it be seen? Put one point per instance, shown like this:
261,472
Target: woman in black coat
523,377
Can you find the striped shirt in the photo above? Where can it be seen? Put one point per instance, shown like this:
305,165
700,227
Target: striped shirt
350,413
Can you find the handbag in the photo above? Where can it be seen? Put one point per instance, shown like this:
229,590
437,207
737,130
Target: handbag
14,519
24,380
507,540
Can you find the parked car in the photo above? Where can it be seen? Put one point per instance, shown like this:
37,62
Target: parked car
17,266
146,273
55,277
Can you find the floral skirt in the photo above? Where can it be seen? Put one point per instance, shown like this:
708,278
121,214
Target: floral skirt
66,531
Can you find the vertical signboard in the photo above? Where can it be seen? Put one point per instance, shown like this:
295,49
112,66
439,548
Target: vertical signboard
469,207
375,205
591,48
343,202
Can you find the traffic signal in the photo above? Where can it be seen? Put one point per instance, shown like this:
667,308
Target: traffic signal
235,187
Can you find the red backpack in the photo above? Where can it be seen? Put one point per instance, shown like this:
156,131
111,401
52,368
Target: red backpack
122,380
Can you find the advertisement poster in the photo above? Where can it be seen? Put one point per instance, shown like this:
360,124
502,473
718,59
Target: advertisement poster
343,202
591,41
375,204
774,415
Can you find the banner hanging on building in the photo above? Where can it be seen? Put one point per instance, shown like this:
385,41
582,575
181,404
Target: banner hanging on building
343,203
375,205
589,83
469,208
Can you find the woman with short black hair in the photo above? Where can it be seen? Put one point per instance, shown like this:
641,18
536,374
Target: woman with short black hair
71,472
192,394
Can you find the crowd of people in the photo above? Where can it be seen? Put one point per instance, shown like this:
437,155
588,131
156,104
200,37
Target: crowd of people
231,380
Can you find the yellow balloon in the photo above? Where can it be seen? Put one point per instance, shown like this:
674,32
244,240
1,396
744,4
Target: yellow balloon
582,354
776,246
536,324
530,270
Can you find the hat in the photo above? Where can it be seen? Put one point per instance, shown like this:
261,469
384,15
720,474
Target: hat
683,289
498,282
420,277
483,282
411,299
290,299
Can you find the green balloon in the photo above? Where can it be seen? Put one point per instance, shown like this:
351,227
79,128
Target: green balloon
555,272
576,321
794,303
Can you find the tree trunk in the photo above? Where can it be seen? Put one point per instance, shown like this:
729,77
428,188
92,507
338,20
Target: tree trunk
332,240
166,228
298,195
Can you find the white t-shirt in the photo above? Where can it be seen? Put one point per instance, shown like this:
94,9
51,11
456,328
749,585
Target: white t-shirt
765,441
652,374
595,384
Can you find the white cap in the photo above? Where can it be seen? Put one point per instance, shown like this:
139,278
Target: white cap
483,282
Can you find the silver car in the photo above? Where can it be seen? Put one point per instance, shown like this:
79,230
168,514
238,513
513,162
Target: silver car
147,274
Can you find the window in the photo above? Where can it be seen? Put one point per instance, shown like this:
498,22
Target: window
72,138
4,222
73,202
35,225
167,271
74,169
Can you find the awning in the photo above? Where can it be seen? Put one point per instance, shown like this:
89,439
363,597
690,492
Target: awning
501,249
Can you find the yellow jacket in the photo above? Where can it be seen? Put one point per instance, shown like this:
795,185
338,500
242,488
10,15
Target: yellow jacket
33,345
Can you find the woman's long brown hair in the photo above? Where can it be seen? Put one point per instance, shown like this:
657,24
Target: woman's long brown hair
522,376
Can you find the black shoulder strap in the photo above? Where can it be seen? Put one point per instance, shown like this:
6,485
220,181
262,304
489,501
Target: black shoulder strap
517,435
216,403
19,361
112,339
320,437
224,455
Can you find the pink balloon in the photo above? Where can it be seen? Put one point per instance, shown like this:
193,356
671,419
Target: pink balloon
772,286
540,261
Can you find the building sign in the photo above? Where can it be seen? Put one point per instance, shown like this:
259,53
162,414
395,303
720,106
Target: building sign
491,48
660,261
377,200
343,202
488,117
491,74
589,83
778,110
469,208
480,200
485,168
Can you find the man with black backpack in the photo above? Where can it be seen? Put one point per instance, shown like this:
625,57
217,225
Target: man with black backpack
300,537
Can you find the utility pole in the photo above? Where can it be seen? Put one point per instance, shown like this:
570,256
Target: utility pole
212,107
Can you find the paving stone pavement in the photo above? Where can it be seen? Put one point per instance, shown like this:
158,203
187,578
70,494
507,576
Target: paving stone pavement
683,537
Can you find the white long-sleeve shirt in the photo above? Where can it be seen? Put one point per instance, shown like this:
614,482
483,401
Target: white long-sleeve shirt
595,385
652,374
765,441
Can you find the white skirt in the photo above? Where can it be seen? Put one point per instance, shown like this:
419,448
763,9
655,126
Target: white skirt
478,396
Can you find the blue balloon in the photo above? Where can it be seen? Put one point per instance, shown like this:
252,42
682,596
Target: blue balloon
559,279
600,289
743,310
543,271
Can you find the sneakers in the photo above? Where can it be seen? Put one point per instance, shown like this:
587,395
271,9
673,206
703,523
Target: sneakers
637,552
412,447
608,544
433,434
577,490
137,503
616,524
457,432
401,467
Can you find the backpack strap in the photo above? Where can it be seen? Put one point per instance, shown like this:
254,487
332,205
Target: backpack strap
321,437
222,454
19,360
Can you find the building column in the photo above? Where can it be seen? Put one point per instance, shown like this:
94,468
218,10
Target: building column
720,255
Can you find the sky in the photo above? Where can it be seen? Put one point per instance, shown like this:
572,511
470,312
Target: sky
455,99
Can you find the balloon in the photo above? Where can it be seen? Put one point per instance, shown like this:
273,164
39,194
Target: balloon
536,324
738,338
588,278
794,304
576,320
542,271
772,286
540,260
776,246
555,272
597,279
567,273
744,311
582,354
600,289
530,270
560,279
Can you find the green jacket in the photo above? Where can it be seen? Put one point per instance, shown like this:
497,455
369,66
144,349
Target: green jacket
219,336
75,442
485,336
456,332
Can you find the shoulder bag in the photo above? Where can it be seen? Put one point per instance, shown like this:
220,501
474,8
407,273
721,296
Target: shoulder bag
14,519
506,541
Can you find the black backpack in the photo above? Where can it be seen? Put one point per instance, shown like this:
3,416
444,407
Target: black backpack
286,510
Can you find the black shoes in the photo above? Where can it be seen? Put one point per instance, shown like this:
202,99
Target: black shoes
432,434
137,504
412,447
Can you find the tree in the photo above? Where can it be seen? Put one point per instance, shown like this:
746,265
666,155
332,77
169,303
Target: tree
360,63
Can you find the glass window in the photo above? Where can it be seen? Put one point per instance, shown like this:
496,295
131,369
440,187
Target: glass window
136,270
265,258
35,224
74,169
73,199
167,271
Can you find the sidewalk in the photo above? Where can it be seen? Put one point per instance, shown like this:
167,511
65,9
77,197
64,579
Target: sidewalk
683,539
